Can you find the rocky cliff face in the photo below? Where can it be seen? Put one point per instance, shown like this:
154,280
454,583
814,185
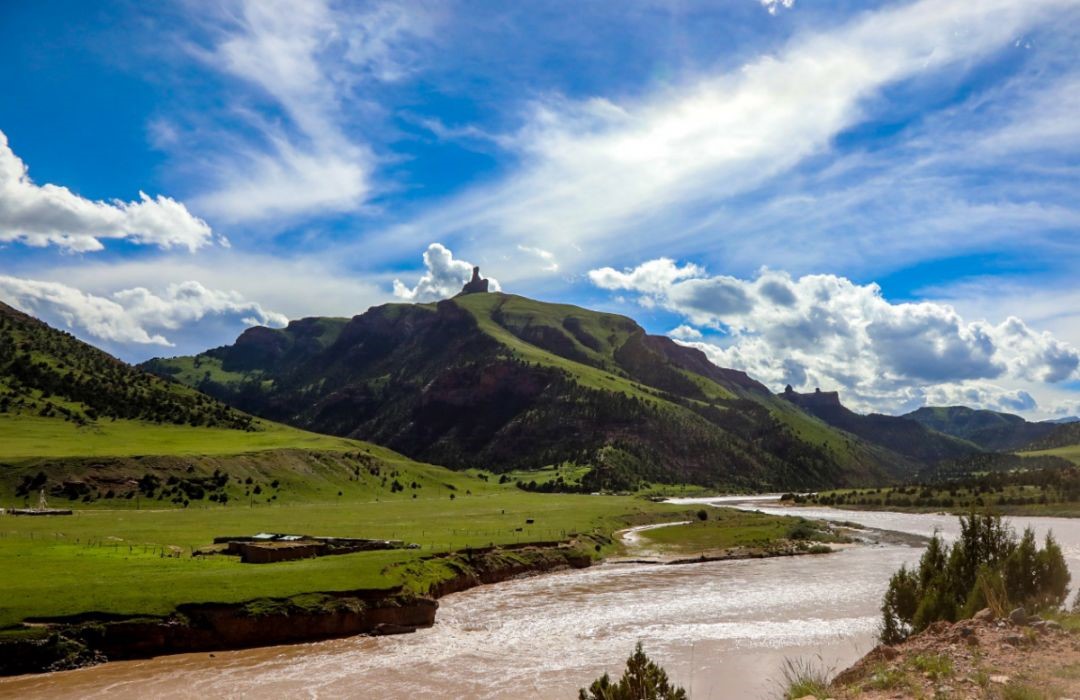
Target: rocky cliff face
902,435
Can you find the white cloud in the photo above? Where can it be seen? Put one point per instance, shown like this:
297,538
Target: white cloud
981,395
546,256
301,284
309,58
1066,409
824,330
44,215
685,332
773,6
641,170
132,315
444,278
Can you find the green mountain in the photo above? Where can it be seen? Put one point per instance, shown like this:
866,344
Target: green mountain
900,434
86,426
990,430
49,373
1059,435
506,383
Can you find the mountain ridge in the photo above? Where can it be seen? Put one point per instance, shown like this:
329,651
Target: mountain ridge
991,430
504,382
898,433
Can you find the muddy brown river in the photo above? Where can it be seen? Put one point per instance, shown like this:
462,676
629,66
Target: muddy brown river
721,629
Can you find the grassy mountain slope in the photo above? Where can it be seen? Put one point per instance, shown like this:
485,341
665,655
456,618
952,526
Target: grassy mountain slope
990,430
90,428
1063,441
49,373
502,382
906,437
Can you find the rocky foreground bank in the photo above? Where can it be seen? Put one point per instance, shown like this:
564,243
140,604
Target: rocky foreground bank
1018,656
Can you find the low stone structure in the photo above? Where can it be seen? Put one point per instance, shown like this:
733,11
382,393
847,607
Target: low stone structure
36,511
270,552
267,547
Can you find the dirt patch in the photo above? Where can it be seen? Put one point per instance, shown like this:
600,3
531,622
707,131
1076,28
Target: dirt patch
978,658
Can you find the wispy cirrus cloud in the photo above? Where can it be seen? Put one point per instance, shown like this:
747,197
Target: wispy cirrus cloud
306,154
52,215
700,165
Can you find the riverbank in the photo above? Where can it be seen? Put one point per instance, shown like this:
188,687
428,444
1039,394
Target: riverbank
49,643
1054,496
1009,511
728,535
980,658
45,645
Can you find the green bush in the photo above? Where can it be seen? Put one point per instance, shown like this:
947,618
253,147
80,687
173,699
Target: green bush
986,567
642,680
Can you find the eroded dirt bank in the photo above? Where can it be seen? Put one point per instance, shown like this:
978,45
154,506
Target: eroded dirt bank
58,644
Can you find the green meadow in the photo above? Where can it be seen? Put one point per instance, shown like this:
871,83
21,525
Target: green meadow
153,493
25,436
1069,452
117,561
726,528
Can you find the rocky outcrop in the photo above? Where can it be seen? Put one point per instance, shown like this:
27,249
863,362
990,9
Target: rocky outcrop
477,285
817,399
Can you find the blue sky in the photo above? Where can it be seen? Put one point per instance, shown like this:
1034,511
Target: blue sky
874,197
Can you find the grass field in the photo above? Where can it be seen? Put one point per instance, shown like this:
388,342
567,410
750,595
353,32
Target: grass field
1069,452
1008,500
115,554
111,560
734,528
24,436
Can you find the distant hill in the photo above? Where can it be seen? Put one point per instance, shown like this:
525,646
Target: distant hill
87,427
899,434
49,373
990,430
1062,421
503,382
1062,435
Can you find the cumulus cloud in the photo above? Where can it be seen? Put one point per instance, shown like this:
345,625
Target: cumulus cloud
444,278
684,332
44,215
1066,409
134,315
825,330
988,396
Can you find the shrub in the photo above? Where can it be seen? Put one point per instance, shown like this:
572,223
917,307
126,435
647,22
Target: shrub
643,678
804,677
802,530
703,514
986,567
